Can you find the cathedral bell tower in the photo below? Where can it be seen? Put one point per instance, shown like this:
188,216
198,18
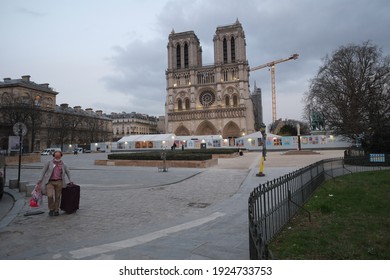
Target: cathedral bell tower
211,99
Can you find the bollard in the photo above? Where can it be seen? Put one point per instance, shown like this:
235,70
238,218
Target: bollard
261,168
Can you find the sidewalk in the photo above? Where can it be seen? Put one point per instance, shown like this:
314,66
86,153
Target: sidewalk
10,206
6,204
140,213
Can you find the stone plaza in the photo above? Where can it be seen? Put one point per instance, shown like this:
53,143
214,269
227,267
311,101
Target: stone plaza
139,213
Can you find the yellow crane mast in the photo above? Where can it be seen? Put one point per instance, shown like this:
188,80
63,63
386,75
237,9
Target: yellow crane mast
272,66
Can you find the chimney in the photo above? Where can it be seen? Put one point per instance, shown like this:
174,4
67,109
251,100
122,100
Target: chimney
99,113
64,105
77,108
26,78
46,85
89,110
7,79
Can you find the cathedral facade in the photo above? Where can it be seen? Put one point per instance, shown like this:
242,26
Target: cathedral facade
209,99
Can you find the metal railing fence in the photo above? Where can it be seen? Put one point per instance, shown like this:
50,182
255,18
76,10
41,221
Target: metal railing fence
271,205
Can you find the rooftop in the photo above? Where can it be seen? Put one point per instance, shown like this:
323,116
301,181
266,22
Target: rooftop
27,83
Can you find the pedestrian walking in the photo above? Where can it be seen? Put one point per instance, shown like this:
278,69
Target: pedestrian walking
53,179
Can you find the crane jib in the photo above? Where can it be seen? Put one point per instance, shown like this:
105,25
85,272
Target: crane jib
272,65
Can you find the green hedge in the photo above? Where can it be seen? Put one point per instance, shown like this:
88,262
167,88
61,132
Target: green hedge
156,155
211,151
187,154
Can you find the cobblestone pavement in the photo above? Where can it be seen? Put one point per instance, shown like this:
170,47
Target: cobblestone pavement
140,213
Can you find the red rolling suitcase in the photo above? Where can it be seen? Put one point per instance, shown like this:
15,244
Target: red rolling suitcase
70,198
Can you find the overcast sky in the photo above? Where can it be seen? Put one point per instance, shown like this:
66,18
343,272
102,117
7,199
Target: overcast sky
112,55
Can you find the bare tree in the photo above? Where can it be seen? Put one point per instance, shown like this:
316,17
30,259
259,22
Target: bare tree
289,127
75,122
351,92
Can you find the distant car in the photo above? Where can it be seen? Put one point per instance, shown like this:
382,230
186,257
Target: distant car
87,151
78,151
49,151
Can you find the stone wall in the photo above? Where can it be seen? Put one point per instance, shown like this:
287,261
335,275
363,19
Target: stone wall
28,158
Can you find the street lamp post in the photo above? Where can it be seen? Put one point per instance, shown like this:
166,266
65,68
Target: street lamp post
264,152
20,130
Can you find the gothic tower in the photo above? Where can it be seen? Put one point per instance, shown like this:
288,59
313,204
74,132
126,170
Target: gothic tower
212,99
257,107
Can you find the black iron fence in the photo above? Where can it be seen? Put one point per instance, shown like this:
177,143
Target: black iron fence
273,204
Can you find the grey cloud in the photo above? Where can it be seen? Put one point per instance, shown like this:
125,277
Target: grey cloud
138,65
273,29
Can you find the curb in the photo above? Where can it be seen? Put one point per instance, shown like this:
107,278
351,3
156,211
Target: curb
18,205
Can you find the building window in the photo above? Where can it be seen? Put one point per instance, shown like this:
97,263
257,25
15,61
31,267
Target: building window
225,75
230,74
187,104
205,77
6,98
25,98
178,57
234,74
48,102
225,51
235,101
177,79
185,55
233,49
179,105
227,101
187,78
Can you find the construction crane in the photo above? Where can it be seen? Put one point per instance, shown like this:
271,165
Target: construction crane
272,66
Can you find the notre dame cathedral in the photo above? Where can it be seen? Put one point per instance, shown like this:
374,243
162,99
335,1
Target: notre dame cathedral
209,99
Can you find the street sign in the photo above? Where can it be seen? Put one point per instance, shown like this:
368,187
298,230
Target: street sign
20,129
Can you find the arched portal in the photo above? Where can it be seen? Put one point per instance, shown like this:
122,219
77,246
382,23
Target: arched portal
231,131
182,131
206,128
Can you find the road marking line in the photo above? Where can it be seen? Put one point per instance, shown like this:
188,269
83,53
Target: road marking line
131,242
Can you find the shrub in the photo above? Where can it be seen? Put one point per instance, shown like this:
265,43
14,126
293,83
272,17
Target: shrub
157,155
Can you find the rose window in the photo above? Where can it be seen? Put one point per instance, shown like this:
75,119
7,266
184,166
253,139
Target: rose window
207,98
